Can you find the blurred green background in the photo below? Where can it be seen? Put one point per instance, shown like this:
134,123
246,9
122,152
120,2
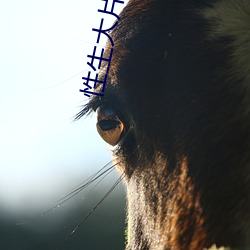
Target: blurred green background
104,229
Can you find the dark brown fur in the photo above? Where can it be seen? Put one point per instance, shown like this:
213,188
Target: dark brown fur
186,148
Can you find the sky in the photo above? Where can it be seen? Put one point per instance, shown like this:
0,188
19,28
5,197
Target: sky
43,56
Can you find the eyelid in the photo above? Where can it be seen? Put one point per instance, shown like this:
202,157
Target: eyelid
94,103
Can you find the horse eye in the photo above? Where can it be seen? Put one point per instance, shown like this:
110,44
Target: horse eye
108,125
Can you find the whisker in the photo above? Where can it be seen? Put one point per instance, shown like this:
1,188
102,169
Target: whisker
96,44
108,172
93,209
62,82
87,182
103,171
78,190
92,190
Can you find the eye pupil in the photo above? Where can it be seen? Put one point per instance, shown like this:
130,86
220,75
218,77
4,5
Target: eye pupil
109,125
106,125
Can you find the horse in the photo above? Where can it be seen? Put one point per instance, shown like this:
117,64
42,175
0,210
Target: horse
176,112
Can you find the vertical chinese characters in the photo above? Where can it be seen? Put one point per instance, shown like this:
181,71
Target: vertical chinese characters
91,82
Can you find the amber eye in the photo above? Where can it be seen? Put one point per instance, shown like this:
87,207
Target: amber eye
108,125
